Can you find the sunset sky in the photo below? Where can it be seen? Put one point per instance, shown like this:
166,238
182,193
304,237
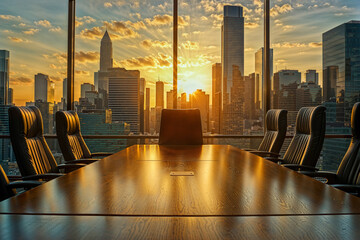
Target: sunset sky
35,34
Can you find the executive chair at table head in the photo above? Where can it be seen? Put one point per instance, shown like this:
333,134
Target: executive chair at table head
180,127
72,144
32,153
306,145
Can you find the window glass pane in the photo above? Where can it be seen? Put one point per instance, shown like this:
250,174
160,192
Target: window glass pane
32,63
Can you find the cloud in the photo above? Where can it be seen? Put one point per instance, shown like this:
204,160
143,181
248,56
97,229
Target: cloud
31,31
251,25
10,17
152,61
79,21
315,44
136,25
84,57
53,66
159,20
55,29
190,45
21,80
17,40
137,15
44,23
257,3
80,72
121,29
147,43
55,78
92,33
297,45
277,10
108,5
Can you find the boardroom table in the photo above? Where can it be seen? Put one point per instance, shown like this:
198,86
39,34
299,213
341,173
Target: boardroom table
181,192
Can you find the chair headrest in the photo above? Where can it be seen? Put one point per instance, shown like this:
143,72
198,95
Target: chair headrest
276,119
27,120
355,120
310,118
69,121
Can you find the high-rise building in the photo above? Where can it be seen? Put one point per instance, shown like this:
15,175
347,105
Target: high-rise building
86,87
312,76
106,53
124,98
142,99
341,84
259,69
4,76
199,99
11,96
341,50
216,96
308,94
147,111
249,99
101,78
330,77
44,88
160,94
232,55
285,85
169,100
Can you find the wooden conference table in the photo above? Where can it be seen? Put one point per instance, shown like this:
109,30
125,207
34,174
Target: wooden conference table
182,192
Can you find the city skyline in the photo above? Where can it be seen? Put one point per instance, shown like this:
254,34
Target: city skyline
142,32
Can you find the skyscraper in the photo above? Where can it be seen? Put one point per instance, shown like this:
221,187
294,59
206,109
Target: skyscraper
159,103
341,50
147,111
124,98
259,68
85,87
312,76
199,99
232,55
4,76
142,99
44,88
101,78
216,96
106,53
11,96
341,84
169,100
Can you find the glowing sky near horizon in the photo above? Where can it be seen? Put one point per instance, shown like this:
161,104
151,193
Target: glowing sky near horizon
141,31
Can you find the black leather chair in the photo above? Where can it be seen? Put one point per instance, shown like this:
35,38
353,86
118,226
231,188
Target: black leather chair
180,127
275,132
32,153
305,147
347,177
8,189
72,144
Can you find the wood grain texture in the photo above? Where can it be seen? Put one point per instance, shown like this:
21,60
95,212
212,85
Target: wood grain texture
227,181
99,227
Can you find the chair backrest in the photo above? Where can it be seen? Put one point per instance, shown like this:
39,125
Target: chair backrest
180,127
275,130
5,192
68,132
349,169
32,153
306,145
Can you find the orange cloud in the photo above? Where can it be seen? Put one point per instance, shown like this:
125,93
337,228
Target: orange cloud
17,40
161,60
277,10
147,43
44,23
92,33
31,31
20,80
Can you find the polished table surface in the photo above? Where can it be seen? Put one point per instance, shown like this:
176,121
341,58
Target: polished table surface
226,181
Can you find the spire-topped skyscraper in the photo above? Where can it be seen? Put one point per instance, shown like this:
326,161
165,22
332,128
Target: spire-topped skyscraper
106,53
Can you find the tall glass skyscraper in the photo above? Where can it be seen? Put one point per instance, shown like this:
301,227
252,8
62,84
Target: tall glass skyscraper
232,59
4,76
341,84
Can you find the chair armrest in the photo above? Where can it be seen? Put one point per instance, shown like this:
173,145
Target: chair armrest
330,176
349,188
265,153
84,161
248,149
99,154
298,167
45,176
70,167
24,184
